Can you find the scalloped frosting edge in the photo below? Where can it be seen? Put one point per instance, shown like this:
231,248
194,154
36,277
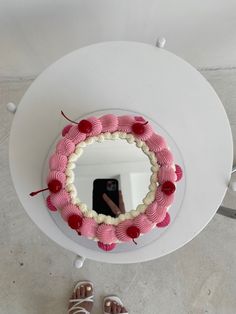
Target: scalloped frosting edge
70,177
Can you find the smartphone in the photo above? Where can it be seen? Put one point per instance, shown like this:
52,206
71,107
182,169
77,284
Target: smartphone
111,188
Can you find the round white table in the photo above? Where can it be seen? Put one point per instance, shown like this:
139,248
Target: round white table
139,78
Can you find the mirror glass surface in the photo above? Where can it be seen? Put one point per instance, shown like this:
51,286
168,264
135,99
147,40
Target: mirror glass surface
112,177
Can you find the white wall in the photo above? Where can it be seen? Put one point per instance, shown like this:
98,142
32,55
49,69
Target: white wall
34,33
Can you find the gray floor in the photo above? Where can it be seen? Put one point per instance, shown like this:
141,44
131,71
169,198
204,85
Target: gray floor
37,275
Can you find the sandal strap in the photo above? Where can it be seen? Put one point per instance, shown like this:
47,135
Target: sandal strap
122,313
78,309
77,306
110,313
88,299
81,310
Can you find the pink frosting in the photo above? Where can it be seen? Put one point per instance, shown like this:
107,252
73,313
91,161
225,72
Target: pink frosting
49,204
106,247
75,135
143,223
106,233
146,134
57,175
165,222
164,157
88,228
154,213
109,123
166,173
60,199
179,172
58,162
162,199
121,229
65,147
125,123
69,210
156,143
96,126
66,129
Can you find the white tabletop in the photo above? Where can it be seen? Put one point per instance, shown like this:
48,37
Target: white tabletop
134,77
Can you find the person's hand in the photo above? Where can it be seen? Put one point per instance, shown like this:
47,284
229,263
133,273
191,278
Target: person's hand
115,209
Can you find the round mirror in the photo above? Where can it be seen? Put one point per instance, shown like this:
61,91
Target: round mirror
112,177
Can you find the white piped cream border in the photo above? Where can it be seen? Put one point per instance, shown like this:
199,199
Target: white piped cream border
70,177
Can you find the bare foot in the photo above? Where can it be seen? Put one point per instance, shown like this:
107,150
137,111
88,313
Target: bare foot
113,307
83,291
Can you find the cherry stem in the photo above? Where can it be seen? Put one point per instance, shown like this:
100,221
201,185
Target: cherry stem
35,193
68,118
145,123
135,242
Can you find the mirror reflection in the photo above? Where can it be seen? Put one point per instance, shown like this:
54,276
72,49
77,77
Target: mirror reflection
112,177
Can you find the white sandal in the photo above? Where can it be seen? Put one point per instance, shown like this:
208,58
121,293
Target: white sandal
115,299
76,307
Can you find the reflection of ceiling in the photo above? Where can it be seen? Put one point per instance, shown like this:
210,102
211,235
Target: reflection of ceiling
35,33
112,152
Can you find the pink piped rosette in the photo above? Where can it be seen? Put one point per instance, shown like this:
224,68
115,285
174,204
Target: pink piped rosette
108,235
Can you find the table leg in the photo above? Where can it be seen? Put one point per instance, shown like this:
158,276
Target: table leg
79,261
225,211
160,43
11,107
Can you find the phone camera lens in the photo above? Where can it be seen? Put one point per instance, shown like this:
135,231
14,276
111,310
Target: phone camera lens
111,185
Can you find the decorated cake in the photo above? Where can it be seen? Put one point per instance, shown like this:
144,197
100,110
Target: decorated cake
109,231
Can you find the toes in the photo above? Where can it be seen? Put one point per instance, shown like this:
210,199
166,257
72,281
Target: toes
82,291
78,295
113,308
88,290
107,307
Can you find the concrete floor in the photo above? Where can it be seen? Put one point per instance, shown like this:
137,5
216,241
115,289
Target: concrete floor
37,275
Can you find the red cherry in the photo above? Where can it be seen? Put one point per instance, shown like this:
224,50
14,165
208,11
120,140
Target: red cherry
49,204
139,119
74,221
54,186
85,126
138,128
168,188
179,172
106,247
165,222
133,232
66,129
